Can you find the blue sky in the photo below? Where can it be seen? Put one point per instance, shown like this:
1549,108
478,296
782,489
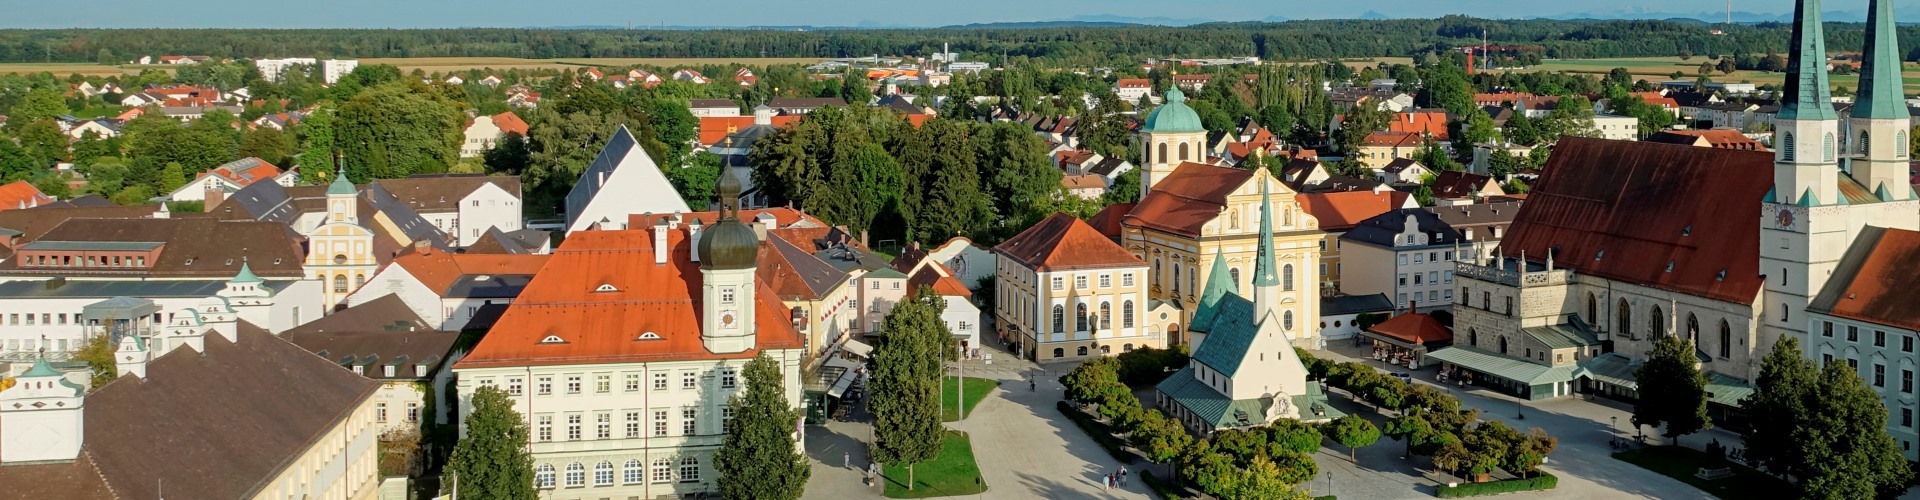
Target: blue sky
520,13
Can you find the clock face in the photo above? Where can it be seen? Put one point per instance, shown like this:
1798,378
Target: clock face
726,319
1785,219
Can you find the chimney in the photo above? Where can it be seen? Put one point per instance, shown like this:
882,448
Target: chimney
660,242
765,222
423,247
162,213
693,235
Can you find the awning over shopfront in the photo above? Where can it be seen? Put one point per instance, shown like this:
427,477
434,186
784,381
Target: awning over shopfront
857,348
1611,368
1517,370
1727,390
848,373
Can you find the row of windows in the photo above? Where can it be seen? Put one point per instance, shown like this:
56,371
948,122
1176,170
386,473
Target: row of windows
1422,258
380,412
127,261
603,424
574,383
661,472
1433,297
48,319
1080,281
1431,277
1059,352
1879,336
1657,325
1082,322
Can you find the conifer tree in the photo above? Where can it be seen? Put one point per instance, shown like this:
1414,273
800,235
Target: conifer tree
492,461
758,458
908,365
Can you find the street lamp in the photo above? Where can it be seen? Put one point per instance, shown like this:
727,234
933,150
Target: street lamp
1329,476
1616,427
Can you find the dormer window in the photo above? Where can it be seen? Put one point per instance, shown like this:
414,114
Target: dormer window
1669,266
605,287
553,339
388,370
649,336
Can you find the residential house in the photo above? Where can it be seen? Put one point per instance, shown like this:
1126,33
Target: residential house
101,128
1720,138
1405,254
22,194
1192,83
802,105
462,206
1379,149
1430,125
690,76
1132,89
1616,127
214,185
528,100
485,131
713,107
969,262
451,291
1063,264
634,184
745,77
1455,187
1404,171
492,81
1338,212
620,316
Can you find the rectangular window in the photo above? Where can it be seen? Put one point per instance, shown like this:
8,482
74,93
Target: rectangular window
1906,343
1433,296
1403,279
573,384
633,382
1401,299
1433,277
1079,282
603,425
1826,359
1509,306
659,423
1853,333
543,429
688,419
1879,338
659,381
1826,328
728,378
514,386
633,424
413,411
876,285
1418,258
1126,279
1059,283
726,295
1403,259
1879,375
573,427
1447,294
686,380
1106,280
380,412
1447,276
543,386
1417,279
1906,381
1906,417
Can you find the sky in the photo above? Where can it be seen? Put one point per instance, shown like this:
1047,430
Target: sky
558,13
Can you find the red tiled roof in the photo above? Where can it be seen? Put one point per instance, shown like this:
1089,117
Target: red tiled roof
937,276
1107,222
1655,98
509,122
1630,211
605,327
782,217
1188,198
1413,328
1718,138
1074,157
439,269
1084,181
254,170
1427,123
22,194
1133,83
1062,242
715,128
1391,139
1873,283
1457,184
1339,211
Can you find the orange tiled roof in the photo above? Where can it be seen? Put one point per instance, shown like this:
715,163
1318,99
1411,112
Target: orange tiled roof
936,275
1342,210
715,128
439,270
509,122
1062,242
22,194
782,217
1871,281
1086,181
1428,123
1391,140
1194,194
605,327
1133,83
1413,329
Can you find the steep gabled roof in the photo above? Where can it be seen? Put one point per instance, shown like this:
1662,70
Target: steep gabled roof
795,273
1187,199
1874,281
1339,211
1061,242
22,194
1659,215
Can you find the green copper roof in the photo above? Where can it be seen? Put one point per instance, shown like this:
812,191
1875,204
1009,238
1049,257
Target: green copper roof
1229,337
1219,285
1174,116
1807,199
1807,95
340,184
1882,93
246,274
42,369
1263,268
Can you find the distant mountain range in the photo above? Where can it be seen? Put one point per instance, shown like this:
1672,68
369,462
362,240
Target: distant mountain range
1113,20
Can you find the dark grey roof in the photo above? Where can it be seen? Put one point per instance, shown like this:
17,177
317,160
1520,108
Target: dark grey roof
1337,183
1381,230
819,276
1355,304
411,223
712,103
63,288
804,102
496,241
488,286
1479,215
532,238
847,258
1105,166
382,332
610,156
1398,165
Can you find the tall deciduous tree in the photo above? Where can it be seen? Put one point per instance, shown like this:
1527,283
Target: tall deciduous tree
394,130
316,147
871,181
758,458
1672,389
909,363
1847,450
39,104
1261,480
1786,383
1354,432
493,461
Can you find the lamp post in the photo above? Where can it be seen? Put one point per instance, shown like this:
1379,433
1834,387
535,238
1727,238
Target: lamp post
1329,477
1616,427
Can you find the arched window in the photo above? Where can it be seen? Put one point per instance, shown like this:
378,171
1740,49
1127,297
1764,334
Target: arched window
1786,147
662,470
1657,323
359,280
1235,273
1183,151
1826,151
1863,142
1286,320
1286,277
1503,345
1473,337
1193,279
1106,316
603,474
1106,349
632,473
1693,330
1726,340
543,476
1058,352
1080,317
1162,157
689,470
1624,321
340,283
1176,278
1593,309
1080,351
1126,314
1126,348
576,475
1900,143
1059,318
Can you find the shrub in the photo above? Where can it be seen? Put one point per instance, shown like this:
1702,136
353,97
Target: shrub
1097,431
1542,482
1150,365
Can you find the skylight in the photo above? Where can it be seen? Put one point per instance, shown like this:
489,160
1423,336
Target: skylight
553,339
606,287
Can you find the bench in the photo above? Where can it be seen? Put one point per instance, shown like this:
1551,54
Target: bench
1713,474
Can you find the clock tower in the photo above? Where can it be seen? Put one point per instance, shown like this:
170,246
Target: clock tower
728,254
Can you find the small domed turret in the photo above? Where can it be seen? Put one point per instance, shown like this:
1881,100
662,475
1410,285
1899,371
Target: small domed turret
729,244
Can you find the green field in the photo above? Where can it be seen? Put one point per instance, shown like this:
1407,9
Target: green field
436,64
952,473
977,389
1659,69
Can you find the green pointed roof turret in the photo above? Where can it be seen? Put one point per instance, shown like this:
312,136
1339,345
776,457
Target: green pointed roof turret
1264,272
1173,117
246,273
1219,284
1882,92
1807,95
340,185
42,369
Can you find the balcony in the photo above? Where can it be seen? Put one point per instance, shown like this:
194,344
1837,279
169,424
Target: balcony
1507,273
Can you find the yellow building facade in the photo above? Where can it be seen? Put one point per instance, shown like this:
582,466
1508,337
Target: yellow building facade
340,251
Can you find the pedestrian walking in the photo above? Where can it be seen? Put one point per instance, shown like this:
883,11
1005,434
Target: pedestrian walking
1031,386
846,460
1123,474
1107,482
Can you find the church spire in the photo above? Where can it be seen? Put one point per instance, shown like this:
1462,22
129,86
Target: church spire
1807,95
1264,272
1881,92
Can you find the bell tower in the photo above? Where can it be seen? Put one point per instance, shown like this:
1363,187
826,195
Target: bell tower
728,253
1171,135
1880,120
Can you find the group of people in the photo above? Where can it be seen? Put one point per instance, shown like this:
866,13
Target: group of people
1117,478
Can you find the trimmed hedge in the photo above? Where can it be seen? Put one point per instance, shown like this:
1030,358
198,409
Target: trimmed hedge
1544,481
1097,431
1159,487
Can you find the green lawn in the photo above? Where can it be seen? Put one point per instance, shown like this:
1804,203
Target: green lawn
951,473
1681,463
977,389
